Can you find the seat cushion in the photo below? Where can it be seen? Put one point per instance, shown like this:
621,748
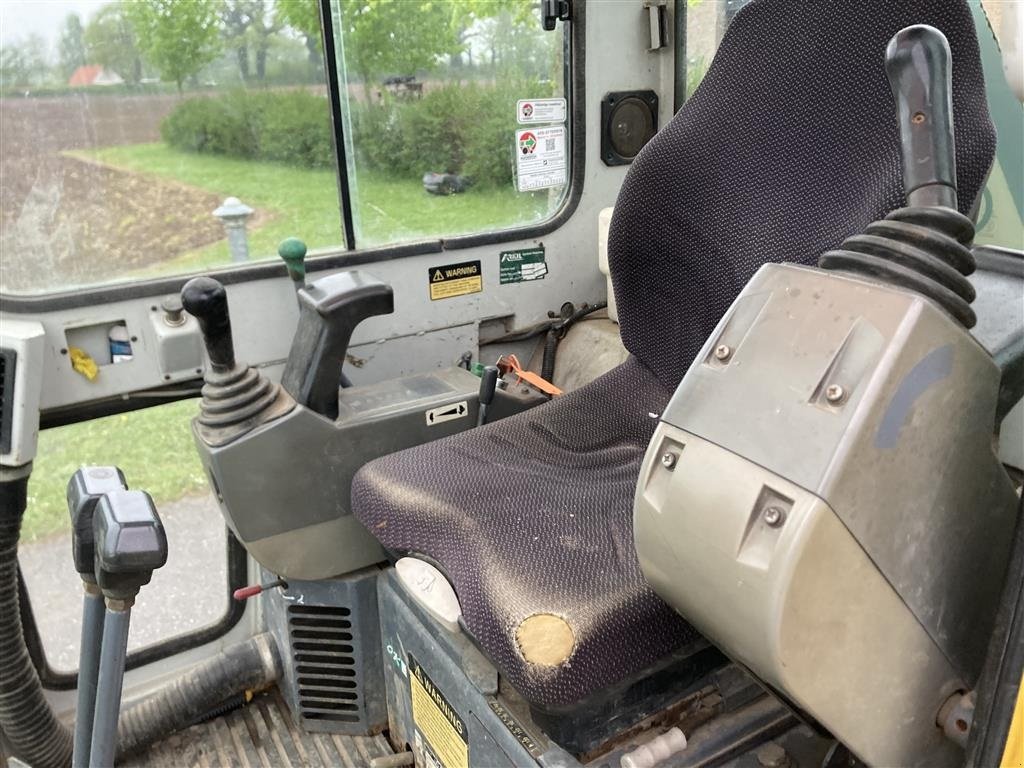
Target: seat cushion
533,515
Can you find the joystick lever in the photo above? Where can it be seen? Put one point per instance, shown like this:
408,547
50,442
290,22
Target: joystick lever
236,398
924,247
917,62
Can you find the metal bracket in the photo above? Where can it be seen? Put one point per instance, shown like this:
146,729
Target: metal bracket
552,11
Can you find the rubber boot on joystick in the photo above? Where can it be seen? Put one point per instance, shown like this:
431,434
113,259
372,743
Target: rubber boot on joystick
236,398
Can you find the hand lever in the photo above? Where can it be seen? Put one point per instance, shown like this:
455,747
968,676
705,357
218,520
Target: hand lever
85,489
293,253
488,383
130,545
329,310
207,301
917,62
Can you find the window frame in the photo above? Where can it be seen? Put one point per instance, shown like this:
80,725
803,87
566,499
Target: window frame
574,38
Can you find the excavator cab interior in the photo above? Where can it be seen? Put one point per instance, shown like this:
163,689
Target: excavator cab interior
750,497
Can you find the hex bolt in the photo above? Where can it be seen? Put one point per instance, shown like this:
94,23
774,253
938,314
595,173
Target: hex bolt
835,394
723,352
774,516
772,755
668,460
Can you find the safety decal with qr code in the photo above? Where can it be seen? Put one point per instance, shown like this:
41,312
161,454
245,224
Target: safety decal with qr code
541,160
440,732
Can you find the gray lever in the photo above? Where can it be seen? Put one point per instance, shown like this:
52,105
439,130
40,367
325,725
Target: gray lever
329,310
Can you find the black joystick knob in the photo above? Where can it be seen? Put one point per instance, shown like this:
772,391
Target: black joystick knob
206,299
130,542
917,62
85,488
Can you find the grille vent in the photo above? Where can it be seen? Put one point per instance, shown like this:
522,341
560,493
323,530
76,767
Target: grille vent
8,359
324,652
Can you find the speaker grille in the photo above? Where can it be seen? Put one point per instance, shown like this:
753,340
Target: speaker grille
324,655
8,361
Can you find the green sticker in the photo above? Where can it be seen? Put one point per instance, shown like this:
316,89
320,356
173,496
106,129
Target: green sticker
521,266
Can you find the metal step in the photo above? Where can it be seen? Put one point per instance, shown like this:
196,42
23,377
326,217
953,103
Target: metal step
260,735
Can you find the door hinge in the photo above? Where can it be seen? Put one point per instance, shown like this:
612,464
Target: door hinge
552,11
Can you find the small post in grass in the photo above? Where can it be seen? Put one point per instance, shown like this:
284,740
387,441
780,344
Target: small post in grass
233,215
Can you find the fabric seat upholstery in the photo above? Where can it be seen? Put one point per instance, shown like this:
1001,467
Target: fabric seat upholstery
788,146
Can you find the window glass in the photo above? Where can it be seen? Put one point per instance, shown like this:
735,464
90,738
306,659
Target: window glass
455,115
125,125
154,449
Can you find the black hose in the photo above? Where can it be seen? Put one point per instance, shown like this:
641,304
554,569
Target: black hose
248,666
557,331
30,725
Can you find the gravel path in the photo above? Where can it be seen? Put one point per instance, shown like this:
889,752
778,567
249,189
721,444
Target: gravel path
189,592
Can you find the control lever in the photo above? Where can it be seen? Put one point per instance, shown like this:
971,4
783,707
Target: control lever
918,63
329,310
236,398
206,299
293,253
488,383
130,544
85,489
924,247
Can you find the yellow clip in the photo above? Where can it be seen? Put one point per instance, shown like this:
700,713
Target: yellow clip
84,364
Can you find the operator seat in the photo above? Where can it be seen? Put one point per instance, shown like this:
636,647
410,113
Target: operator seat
788,146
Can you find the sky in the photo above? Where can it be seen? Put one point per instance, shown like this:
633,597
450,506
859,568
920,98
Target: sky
21,18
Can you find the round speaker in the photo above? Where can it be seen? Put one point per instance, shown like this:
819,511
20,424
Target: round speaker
629,120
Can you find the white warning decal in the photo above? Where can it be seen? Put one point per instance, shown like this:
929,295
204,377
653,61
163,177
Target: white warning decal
540,158
445,413
529,111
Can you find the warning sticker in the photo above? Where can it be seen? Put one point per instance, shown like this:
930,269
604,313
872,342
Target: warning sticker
540,158
523,265
455,280
444,734
530,111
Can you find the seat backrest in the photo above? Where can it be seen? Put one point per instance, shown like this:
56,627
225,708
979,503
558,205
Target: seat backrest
788,146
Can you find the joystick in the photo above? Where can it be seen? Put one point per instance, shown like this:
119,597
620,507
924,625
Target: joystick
236,398
925,246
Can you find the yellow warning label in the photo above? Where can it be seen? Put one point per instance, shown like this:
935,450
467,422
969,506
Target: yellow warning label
455,280
441,727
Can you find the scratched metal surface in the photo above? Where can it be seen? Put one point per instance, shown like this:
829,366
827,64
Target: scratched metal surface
260,735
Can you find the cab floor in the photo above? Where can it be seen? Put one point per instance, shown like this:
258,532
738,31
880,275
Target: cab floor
260,735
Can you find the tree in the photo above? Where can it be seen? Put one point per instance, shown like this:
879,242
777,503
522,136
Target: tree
178,37
110,41
396,37
304,17
72,45
23,65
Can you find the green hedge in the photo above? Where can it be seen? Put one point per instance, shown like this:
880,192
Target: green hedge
290,127
466,129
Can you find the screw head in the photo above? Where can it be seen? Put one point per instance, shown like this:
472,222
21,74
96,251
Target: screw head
835,394
723,352
774,516
668,460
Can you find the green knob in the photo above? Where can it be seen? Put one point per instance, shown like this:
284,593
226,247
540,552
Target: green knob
293,251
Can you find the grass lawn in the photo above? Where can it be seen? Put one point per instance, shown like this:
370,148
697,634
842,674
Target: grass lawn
153,447
304,203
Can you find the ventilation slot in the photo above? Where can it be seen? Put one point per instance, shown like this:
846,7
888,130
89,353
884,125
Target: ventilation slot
324,653
8,359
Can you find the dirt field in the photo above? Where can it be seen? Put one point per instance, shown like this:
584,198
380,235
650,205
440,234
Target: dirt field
64,222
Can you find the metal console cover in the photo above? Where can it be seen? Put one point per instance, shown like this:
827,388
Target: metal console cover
823,501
